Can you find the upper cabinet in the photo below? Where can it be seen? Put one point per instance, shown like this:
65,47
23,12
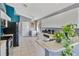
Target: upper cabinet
4,19
2,7
4,16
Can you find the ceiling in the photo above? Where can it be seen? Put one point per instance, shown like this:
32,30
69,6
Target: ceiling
37,10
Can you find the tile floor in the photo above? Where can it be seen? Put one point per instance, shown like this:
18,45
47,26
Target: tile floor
28,47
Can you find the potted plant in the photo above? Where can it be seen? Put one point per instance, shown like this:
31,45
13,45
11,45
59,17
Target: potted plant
69,31
58,36
65,35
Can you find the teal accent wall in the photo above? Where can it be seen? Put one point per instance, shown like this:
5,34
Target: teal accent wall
11,13
17,18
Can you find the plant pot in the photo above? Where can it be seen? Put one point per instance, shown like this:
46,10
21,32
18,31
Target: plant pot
51,39
58,40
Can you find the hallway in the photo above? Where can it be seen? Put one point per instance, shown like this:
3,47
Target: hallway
28,47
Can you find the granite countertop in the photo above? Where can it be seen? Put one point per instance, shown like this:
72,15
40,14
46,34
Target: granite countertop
54,46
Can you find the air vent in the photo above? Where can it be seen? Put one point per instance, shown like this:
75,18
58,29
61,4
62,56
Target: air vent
24,5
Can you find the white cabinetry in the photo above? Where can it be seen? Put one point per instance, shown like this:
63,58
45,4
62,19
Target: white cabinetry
3,48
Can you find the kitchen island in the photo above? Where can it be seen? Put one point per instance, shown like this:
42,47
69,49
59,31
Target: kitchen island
6,44
53,48
2,47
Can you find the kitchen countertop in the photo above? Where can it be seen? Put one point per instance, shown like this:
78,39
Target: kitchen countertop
46,34
54,46
4,35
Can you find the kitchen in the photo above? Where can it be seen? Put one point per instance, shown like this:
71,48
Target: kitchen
8,35
29,32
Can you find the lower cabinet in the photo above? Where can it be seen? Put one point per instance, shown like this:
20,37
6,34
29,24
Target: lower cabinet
76,50
51,53
6,47
10,47
3,49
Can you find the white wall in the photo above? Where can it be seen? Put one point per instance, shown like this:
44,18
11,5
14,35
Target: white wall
22,19
61,19
78,17
23,28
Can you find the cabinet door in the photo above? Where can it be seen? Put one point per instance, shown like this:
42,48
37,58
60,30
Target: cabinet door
3,49
10,46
